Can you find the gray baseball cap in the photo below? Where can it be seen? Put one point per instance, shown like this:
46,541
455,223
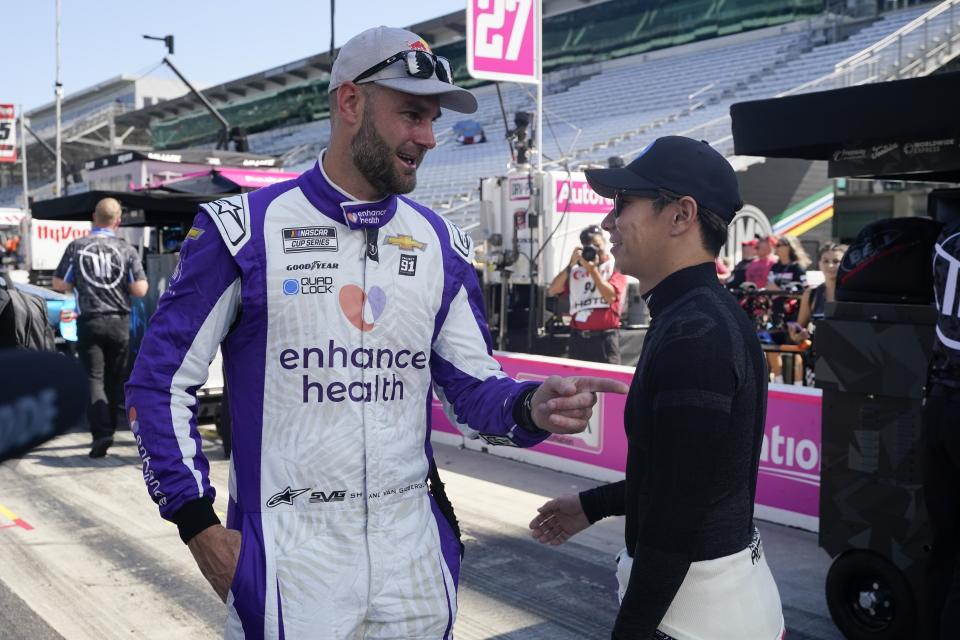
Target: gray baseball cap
373,46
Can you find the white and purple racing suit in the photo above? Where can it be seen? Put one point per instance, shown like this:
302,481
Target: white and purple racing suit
334,316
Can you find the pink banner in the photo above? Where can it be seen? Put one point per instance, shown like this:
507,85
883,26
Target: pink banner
789,477
790,458
501,40
256,179
577,197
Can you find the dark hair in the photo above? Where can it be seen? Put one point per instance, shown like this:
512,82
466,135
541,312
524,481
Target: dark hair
829,247
590,232
797,253
713,228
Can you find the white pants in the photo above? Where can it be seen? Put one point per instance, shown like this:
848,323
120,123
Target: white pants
728,598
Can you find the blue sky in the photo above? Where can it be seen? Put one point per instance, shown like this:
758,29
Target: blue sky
216,40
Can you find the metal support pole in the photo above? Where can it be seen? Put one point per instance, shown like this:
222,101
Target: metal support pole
950,28
23,162
899,54
536,193
112,132
538,16
224,125
58,92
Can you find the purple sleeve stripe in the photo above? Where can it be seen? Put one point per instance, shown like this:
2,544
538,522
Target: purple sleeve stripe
171,365
485,405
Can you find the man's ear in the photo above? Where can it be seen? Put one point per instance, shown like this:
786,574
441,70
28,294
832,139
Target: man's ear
350,103
683,216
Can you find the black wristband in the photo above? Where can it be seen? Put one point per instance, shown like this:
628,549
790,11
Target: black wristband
194,517
523,410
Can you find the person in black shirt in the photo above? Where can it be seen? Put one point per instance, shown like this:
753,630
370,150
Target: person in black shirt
105,271
790,270
941,449
693,566
748,251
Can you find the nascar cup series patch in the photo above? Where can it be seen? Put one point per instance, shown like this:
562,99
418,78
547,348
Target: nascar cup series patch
301,239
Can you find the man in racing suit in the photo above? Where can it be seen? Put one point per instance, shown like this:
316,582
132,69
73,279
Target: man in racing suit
337,303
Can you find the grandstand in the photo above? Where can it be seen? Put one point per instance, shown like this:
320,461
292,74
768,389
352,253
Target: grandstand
618,73
627,102
596,108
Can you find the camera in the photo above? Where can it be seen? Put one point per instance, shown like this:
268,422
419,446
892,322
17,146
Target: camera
589,253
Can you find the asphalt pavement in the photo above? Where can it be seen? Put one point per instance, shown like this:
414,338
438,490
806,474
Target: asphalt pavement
84,554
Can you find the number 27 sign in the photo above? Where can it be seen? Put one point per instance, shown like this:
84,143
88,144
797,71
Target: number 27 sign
502,40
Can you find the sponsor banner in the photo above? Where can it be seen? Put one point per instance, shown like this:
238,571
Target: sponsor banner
502,40
788,485
789,476
576,196
8,133
896,158
49,239
10,217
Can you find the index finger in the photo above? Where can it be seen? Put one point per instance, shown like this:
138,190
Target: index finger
601,385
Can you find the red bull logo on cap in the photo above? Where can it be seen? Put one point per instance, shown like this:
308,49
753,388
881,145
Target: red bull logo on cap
420,44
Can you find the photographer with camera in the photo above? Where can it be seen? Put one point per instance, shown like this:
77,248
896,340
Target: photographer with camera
596,290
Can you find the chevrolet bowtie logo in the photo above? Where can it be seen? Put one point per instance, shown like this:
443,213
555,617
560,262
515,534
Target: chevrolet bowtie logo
406,243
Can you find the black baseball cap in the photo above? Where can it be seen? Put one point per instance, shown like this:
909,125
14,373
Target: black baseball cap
680,165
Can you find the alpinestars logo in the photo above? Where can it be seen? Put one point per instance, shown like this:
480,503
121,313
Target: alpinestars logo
286,496
232,218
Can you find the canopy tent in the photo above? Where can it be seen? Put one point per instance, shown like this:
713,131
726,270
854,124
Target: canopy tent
904,129
143,208
219,181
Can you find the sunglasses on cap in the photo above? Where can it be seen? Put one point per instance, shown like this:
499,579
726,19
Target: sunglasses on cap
418,64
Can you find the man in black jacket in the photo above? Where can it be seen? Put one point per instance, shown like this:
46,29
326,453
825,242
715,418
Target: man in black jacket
693,565
105,271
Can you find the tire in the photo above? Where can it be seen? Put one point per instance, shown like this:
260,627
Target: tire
869,598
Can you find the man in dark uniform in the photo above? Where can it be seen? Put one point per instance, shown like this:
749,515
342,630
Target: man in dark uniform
693,566
941,462
105,271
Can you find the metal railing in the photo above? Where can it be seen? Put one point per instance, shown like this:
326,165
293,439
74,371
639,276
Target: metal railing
916,49
93,118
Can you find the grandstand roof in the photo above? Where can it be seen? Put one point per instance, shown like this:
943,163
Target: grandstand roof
437,31
186,156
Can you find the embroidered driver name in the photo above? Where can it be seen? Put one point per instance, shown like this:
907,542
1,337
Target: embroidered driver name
302,239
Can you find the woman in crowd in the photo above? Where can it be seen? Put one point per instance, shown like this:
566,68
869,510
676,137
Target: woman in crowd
791,266
789,272
814,300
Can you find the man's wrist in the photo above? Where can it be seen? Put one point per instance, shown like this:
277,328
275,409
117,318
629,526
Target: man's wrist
194,517
523,410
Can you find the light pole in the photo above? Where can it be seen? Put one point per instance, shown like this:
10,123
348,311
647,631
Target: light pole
58,93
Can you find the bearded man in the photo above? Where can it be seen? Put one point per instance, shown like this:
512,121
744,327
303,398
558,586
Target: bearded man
338,304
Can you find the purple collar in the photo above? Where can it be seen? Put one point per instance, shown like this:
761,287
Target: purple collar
338,205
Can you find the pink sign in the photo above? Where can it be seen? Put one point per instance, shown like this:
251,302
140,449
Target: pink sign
501,40
576,196
790,458
256,179
789,475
